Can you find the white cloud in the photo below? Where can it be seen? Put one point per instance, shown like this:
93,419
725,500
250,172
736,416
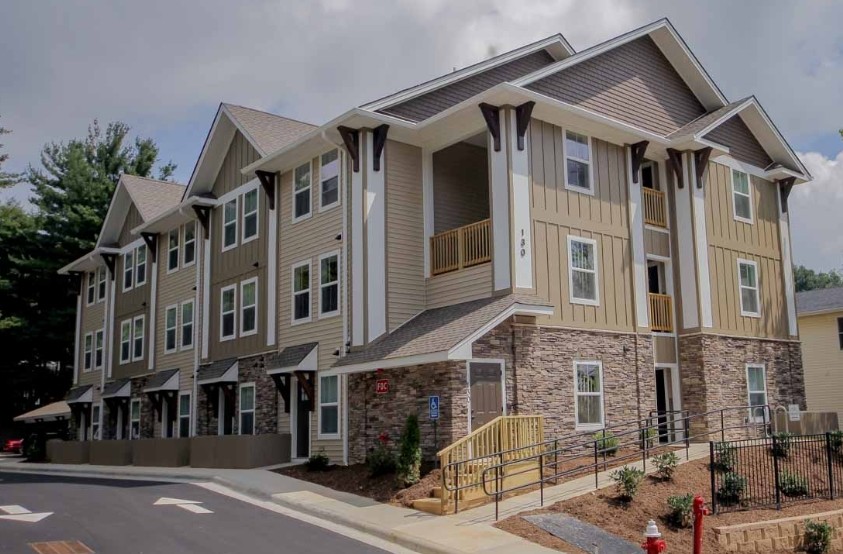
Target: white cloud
816,210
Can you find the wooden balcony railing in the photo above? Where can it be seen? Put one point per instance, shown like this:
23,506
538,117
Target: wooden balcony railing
661,312
461,247
654,208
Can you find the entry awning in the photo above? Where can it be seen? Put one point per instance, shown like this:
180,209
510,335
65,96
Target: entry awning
121,388
221,371
80,395
301,357
440,334
51,412
164,380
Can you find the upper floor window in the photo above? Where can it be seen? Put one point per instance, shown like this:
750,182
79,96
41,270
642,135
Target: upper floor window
250,215
189,244
128,270
578,175
748,286
582,274
100,284
301,292
137,338
126,341
249,307
99,339
171,323
89,349
329,180
247,409
301,192
227,312
742,196
329,285
840,331
172,250
134,268
187,324
229,224
92,289
140,266
329,405
588,394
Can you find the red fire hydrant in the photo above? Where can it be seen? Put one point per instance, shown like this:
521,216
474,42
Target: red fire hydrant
654,543
700,511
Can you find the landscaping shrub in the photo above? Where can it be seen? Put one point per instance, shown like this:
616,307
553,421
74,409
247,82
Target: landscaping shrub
318,462
836,438
731,489
793,484
606,443
627,480
725,457
665,465
817,537
681,510
381,460
647,437
781,444
409,452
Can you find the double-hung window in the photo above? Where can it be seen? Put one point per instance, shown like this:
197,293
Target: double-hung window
128,270
134,418
301,192
100,284
89,349
140,265
301,292
229,224
95,422
99,338
756,385
742,196
329,180
126,341
187,324
189,244
840,331
582,274
249,307
172,250
329,406
171,323
92,288
184,414
247,409
228,308
748,286
588,395
137,338
578,174
250,215
329,286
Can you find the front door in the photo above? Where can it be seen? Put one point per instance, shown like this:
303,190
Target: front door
664,404
486,392
302,423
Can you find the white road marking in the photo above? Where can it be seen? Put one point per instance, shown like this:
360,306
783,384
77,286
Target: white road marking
196,509
27,518
164,501
14,510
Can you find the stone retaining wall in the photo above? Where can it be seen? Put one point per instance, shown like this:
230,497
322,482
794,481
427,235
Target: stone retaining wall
778,534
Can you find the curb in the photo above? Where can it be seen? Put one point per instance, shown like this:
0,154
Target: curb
101,473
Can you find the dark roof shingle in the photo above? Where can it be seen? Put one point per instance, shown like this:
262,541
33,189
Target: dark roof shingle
160,378
291,356
819,300
215,369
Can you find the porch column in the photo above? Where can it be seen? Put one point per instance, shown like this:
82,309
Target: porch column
639,258
375,224
697,191
787,263
517,146
499,196
685,237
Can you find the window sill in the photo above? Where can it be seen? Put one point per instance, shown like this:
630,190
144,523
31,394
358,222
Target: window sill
249,239
329,315
248,333
748,221
302,218
300,321
574,188
750,314
585,302
331,437
228,338
329,207
229,247
590,427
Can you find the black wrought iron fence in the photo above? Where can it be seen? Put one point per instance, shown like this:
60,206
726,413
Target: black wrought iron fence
770,472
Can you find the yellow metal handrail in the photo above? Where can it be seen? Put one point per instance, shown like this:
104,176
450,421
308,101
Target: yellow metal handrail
462,247
655,212
661,312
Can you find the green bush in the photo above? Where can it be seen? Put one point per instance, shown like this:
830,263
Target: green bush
381,459
681,510
607,443
836,438
627,480
793,484
817,537
647,437
665,465
409,452
731,489
725,457
781,444
318,462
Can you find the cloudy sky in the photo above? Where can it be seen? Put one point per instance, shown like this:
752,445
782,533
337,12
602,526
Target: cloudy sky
163,66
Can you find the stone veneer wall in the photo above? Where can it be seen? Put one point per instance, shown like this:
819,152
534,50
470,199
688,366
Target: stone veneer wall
148,414
713,376
370,414
777,535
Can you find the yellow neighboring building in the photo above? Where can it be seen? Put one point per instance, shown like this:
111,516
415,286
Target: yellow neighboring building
820,315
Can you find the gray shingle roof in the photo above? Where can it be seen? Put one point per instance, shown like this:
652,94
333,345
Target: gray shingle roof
112,388
151,196
436,330
215,369
819,300
56,410
705,120
291,356
160,378
76,393
271,132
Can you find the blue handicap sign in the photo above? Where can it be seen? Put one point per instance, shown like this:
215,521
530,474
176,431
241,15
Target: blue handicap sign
433,407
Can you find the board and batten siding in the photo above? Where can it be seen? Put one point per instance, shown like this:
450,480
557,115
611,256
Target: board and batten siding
822,360
133,219
742,143
657,243
473,283
558,212
92,320
240,154
729,240
404,233
460,186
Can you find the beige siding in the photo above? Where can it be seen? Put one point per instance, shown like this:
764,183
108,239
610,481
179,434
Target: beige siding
469,284
240,154
729,240
93,318
404,233
603,217
460,186
822,360
664,350
674,244
133,219
741,142
657,243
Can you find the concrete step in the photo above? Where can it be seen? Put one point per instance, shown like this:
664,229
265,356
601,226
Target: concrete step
436,492
429,505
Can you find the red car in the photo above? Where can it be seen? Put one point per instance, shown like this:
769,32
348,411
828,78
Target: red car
13,445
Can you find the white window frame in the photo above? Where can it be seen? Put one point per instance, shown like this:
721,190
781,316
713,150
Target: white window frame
334,254
129,268
243,284
140,319
99,338
235,222
309,292
320,434
309,190
181,325
101,284
595,271
91,291
88,352
184,242
170,249
138,250
338,161
95,420
180,416
753,416
126,323
132,420
243,238
233,312
174,328
748,195
241,411
577,394
757,288
590,162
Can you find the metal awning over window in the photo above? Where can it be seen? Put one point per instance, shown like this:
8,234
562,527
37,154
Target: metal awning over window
299,361
80,395
121,388
221,371
163,381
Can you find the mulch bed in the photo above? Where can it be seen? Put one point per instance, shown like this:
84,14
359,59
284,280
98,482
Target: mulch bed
355,479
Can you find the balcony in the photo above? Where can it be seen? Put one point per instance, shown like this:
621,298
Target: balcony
460,248
661,313
654,208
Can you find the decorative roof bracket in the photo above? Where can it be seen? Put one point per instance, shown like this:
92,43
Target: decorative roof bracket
522,120
203,214
701,164
637,152
351,138
378,143
674,160
267,179
151,240
492,115
785,186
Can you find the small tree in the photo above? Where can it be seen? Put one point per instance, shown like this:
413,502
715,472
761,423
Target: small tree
409,452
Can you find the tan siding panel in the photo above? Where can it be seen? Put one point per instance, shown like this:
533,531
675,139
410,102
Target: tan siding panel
240,154
664,350
133,219
460,286
741,142
657,242
823,362
460,186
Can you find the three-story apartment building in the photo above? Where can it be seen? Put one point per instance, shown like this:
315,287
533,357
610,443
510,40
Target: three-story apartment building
587,236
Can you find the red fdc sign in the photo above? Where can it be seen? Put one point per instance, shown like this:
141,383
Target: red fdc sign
382,386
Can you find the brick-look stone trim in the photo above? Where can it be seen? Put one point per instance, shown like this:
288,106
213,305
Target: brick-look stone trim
148,413
779,534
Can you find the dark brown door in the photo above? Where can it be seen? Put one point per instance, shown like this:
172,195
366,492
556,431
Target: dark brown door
302,423
486,392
